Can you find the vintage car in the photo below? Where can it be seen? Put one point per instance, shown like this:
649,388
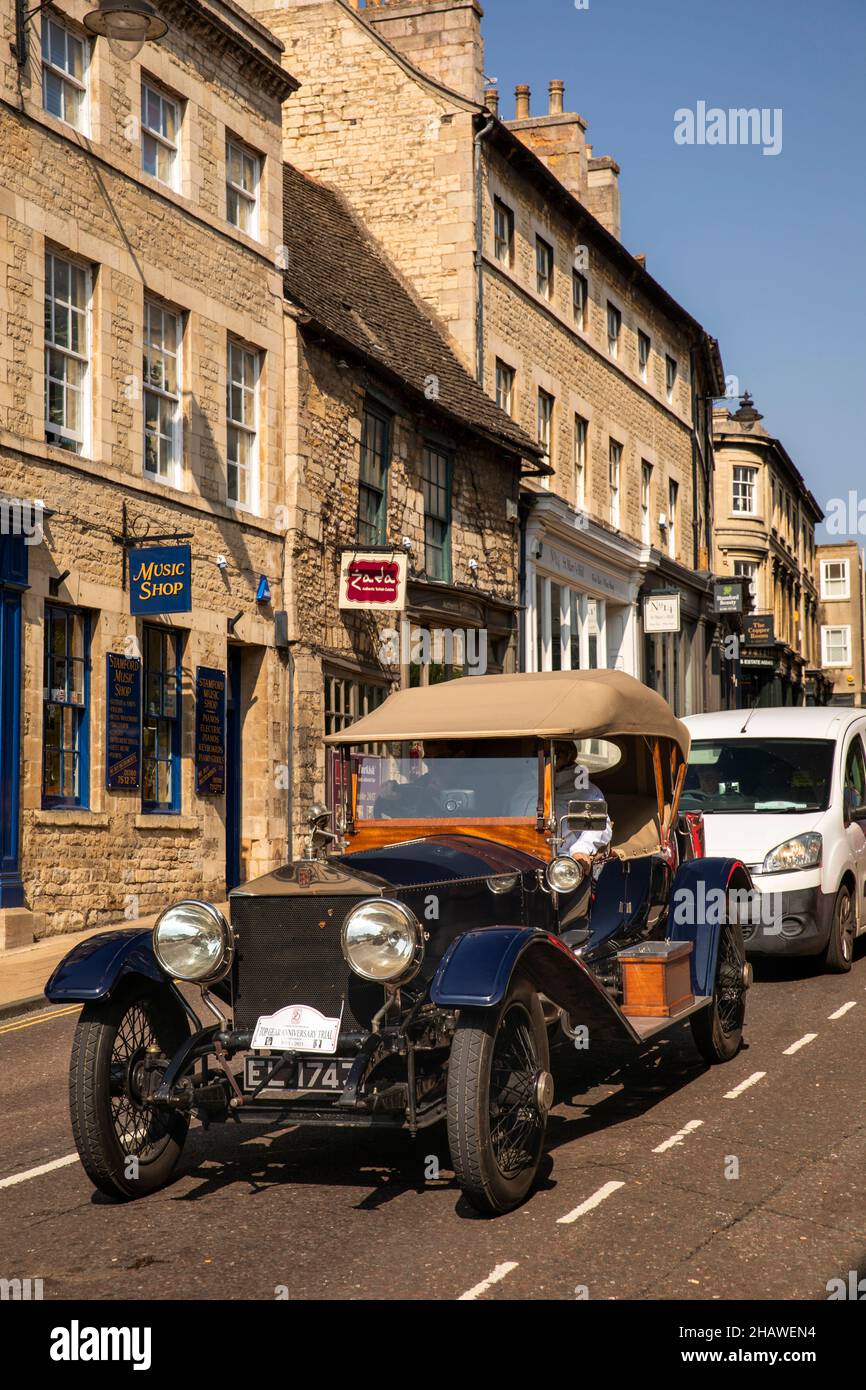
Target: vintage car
414,964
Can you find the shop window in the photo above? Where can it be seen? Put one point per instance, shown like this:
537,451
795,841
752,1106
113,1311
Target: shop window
65,701
373,485
347,700
161,723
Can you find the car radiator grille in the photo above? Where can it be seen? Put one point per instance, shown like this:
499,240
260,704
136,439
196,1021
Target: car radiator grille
288,952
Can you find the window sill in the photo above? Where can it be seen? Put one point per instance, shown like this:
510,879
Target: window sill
72,815
159,820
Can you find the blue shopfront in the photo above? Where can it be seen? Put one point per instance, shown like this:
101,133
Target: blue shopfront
13,582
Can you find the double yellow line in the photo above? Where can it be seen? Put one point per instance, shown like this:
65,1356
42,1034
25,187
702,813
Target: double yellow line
45,1017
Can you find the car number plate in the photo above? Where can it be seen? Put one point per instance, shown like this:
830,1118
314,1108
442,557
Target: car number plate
297,1028
305,1074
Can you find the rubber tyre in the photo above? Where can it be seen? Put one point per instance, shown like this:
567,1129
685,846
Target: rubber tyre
486,1187
836,961
716,1042
103,1158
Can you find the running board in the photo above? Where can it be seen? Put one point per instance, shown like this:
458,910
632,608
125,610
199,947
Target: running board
648,1027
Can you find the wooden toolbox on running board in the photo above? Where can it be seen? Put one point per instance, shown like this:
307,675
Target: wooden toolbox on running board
656,979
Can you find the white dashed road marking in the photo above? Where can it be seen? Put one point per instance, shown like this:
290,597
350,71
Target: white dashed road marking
37,1172
678,1138
846,1008
744,1085
493,1278
801,1042
591,1203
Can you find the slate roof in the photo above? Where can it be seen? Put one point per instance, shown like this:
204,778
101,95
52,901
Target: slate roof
340,277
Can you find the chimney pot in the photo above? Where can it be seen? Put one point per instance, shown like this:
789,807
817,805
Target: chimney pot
556,95
491,100
521,99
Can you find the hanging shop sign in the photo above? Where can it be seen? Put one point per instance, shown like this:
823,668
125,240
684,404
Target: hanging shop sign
727,596
760,630
372,580
661,612
210,731
122,722
160,579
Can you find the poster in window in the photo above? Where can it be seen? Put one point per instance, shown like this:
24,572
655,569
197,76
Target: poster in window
122,722
210,731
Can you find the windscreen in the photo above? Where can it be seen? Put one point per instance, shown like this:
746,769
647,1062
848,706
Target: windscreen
438,783
770,775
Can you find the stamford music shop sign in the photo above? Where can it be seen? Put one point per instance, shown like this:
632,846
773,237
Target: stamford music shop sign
373,579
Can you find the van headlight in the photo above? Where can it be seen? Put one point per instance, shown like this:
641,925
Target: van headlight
383,941
803,852
193,942
564,874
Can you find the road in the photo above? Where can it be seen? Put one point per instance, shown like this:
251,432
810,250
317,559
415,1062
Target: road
664,1179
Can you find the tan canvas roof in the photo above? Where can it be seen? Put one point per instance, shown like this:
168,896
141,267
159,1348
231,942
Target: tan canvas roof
550,704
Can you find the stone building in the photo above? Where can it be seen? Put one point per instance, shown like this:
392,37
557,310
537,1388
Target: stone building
842,618
394,453
141,397
510,231
765,519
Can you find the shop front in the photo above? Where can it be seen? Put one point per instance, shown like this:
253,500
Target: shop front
579,592
13,582
683,653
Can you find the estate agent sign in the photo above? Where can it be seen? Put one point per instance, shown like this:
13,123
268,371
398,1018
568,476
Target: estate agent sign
160,579
371,580
122,722
210,731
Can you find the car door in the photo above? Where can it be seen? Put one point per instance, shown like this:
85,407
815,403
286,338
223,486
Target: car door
854,815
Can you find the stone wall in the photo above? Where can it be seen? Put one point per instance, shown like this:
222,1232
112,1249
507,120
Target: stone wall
87,198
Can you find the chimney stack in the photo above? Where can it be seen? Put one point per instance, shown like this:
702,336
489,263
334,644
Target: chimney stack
556,98
521,100
491,100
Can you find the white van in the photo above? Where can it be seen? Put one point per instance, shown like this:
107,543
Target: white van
785,791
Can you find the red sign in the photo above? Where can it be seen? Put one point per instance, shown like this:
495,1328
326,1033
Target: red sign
373,581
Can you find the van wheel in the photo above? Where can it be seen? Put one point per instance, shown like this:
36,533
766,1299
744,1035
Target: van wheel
839,955
499,1093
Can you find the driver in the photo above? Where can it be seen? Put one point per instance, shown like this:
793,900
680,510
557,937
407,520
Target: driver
571,783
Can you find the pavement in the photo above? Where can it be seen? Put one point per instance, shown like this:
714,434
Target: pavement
25,972
664,1178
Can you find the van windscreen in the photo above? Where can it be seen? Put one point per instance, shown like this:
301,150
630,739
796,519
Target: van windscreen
769,775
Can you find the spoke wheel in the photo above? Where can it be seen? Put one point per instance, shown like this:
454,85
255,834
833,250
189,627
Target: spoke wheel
499,1093
718,1029
127,1148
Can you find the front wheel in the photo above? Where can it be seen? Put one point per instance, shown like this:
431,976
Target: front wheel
839,955
499,1093
127,1150
718,1029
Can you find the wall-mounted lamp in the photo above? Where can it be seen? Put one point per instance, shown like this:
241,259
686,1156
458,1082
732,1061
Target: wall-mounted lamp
127,24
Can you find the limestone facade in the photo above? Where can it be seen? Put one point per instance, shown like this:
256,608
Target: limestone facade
152,269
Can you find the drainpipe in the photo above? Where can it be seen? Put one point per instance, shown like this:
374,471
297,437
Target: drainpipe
290,800
479,242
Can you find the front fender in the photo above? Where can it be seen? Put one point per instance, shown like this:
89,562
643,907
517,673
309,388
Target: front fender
95,967
696,911
477,968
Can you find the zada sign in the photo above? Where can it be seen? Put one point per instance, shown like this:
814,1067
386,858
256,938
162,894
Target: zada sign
160,579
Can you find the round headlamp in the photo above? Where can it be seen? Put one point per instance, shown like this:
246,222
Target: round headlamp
383,941
564,874
193,942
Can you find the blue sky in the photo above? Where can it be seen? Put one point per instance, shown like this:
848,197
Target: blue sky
768,252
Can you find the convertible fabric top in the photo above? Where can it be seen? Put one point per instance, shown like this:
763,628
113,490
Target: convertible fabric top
548,704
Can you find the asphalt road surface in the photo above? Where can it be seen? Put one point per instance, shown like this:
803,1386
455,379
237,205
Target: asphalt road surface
664,1179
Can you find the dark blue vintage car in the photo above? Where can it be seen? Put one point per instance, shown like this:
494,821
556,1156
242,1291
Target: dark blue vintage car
504,859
